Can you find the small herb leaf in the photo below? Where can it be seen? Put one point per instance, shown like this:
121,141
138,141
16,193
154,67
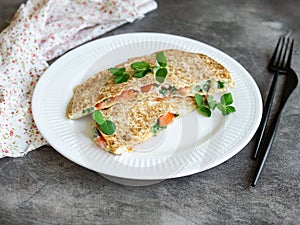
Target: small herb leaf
204,111
161,59
117,71
220,84
142,73
230,109
108,127
161,75
98,117
119,75
227,99
199,99
122,78
140,66
221,107
163,92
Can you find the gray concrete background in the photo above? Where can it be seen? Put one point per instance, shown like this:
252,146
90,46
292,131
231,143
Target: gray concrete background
46,188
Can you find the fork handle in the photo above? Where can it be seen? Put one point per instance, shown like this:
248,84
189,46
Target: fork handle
265,116
264,152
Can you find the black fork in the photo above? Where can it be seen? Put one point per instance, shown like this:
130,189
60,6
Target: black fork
279,64
289,86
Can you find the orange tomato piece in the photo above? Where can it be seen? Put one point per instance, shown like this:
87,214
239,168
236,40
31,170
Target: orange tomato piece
126,95
100,141
184,91
147,88
166,119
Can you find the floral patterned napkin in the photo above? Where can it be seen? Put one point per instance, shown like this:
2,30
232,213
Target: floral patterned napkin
40,31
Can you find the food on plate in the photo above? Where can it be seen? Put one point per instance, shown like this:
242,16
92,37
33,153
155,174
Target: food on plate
135,100
173,73
137,121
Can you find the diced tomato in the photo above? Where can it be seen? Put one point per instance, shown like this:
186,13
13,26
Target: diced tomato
166,119
147,88
99,105
126,95
100,141
184,91
160,99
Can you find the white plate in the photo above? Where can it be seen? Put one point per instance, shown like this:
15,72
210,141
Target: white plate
190,145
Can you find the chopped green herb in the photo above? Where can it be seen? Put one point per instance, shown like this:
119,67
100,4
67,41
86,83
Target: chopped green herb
121,79
161,59
117,71
106,126
206,106
141,69
98,117
156,128
140,74
140,66
204,111
163,92
220,84
225,105
230,109
119,75
161,74
222,108
199,99
203,107
160,69
227,99
87,111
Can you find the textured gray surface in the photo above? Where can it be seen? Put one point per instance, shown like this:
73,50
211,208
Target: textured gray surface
46,188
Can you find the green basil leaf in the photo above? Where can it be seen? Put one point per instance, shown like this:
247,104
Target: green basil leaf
227,99
141,73
122,78
220,84
222,108
161,74
199,99
204,111
140,66
117,71
108,127
161,59
230,109
98,117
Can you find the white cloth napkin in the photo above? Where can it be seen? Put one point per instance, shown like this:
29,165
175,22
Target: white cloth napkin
40,31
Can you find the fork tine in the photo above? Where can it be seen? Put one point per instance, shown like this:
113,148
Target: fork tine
280,52
285,51
288,64
272,60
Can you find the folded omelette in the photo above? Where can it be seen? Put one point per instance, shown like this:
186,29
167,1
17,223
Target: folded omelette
188,73
137,121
